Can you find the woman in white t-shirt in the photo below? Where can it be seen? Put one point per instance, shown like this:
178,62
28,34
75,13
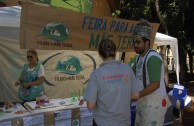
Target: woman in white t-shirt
31,78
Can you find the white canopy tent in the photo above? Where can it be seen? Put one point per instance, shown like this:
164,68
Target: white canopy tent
10,18
162,39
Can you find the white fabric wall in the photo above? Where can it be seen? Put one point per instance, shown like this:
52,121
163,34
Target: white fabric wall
162,39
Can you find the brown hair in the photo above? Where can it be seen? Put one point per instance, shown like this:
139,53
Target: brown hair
107,48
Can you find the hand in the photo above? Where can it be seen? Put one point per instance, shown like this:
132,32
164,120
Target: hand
26,85
135,95
17,83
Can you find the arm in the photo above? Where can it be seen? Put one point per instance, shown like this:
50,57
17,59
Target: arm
91,92
134,89
35,83
91,105
149,89
154,66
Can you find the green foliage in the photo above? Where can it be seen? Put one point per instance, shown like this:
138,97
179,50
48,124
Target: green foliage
176,14
134,9
116,13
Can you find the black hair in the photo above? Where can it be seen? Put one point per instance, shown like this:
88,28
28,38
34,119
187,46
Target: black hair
107,48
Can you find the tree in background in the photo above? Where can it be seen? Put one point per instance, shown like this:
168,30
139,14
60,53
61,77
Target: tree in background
176,19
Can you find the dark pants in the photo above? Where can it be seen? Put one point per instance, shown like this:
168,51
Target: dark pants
94,123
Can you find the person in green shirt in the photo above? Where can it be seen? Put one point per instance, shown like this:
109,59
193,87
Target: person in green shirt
148,66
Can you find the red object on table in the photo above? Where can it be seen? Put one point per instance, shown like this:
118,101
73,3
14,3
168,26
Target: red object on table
81,102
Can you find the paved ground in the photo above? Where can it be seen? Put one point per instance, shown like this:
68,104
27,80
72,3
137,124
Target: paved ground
187,119
188,113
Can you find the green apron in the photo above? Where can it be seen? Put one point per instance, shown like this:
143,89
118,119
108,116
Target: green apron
32,92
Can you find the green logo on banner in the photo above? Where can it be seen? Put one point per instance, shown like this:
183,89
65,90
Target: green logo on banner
55,31
72,66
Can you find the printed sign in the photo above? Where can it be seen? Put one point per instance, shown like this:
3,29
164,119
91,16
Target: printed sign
60,29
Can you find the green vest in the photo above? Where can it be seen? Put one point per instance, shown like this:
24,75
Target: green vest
32,92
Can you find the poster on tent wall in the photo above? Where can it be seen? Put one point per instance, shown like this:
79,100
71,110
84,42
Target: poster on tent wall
52,28
66,71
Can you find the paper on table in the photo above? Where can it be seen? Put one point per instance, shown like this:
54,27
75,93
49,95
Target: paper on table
8,123
85,112
66,122
52,103
87,121
33,120
17,111
63,115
